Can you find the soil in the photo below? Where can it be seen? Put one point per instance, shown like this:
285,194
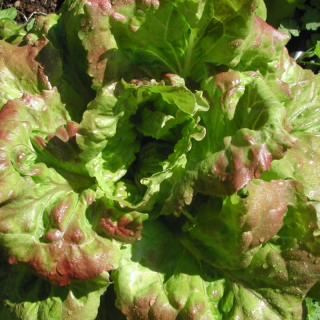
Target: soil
26,8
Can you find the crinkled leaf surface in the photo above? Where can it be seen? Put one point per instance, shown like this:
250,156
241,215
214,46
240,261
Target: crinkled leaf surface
300,163
126,117
159,279
181,36
250,220
20,72
26,296
125,39
302,99
53,216
89,46
165,127
246,128
263,49
167,273
58,64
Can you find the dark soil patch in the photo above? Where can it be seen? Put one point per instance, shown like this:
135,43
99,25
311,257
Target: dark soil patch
28,7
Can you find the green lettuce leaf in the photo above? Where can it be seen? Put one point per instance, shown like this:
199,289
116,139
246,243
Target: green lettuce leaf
246,128
301,96
168,274
26,296
20,72
250,220
180,37
59,66
159,279
300,163
264,49
53,215
189,113
302,88
128,116
114,40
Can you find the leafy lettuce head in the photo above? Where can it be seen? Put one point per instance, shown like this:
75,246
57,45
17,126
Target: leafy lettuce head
172,146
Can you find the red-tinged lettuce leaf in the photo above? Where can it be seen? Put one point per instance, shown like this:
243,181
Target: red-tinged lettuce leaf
65,37
246,128
59,66
159,279
20,72
106,63
181,36
89,45
281,277
52,216
127,116
277,243
301,163
303,88
26,296
250,220
299,91
109,40
115,224
112,40
164,276
264,48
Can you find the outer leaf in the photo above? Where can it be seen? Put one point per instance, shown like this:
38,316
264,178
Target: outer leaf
59,66
246,130
188,38
25,296
89,44
261,10
164,275
50,208
302,97
159,279
263,49
106,63
272,266
181,42
74,59
250,222
300,163
20,72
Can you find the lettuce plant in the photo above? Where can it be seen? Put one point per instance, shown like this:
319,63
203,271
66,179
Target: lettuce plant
169,148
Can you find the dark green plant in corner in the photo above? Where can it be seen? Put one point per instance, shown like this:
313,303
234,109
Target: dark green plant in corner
170,148
9,29
301,20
